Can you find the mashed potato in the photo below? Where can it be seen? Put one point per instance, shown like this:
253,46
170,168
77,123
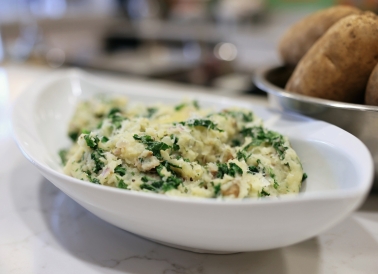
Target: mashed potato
180,150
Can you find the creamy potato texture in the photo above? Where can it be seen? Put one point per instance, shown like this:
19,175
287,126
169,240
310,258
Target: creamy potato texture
180,150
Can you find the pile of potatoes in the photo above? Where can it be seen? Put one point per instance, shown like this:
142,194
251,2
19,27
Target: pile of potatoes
335,54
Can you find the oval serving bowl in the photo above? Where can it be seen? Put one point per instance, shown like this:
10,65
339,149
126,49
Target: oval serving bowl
339,166
359,120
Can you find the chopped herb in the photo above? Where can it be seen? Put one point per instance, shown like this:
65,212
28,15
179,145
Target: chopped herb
217,189
148,187
304,177
63,156
254,143
92,142
263,193
242,155
196,104
73,136
222,170
175,146
104,139
151,111
95,181
260,135
85,131
132,173
152,145
257,169
120,170
116,117
113,111
99,125
180,106
273,176
253,169
172,182
159,169
117,121
230,170
121,184
95,156
202,123
168,166
234,169
246,117
235,143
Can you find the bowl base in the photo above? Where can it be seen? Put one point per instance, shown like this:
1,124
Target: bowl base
195,250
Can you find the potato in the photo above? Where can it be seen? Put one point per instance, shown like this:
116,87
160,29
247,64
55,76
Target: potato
338,65
302,35
371,94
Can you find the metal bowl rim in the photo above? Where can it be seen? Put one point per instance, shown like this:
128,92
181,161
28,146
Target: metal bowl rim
262,83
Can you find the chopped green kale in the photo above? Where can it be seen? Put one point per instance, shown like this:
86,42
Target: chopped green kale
120,170
92,142
257,169
263,193
152,145
95,181
253,169
246,117
151,111
175,146
217,189
74,136
96,157
180,106
113,111
121,184
116,117
304,177
172,182
260,135
202,123
273,176
232,169
235,143
63,156
241,155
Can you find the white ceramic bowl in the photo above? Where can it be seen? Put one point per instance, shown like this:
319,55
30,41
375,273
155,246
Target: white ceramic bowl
339,166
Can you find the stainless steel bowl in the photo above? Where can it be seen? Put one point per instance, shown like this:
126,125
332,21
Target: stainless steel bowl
359,120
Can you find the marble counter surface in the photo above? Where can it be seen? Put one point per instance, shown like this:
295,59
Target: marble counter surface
44,231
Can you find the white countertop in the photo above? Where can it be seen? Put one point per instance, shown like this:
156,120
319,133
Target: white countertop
44,231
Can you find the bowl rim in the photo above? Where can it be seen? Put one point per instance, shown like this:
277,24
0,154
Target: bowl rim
261,81
357,191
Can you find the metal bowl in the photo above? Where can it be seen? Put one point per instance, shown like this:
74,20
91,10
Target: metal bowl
359,120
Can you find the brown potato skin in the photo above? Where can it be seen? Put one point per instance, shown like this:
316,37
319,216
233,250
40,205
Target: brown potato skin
339,64
301,36
371,94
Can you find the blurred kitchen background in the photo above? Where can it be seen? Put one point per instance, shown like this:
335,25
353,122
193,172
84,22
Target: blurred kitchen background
216,43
